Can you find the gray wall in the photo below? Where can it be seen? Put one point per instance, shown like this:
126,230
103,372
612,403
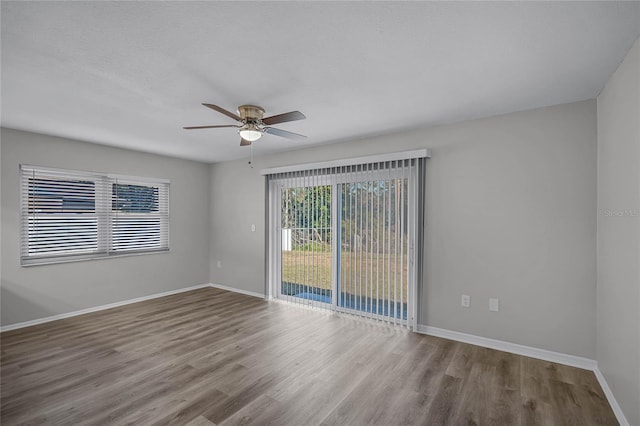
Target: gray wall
511,213
618,295
34,292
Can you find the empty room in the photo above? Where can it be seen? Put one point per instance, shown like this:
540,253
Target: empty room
320,213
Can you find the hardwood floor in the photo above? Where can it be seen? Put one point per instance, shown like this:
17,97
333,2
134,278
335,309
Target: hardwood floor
211,357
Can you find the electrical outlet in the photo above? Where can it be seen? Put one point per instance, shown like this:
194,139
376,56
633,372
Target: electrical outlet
494,305
466,300
253,227
219,263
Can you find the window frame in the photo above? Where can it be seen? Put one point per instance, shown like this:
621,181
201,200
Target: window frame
104,214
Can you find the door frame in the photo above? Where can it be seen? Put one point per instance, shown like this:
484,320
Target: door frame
359,174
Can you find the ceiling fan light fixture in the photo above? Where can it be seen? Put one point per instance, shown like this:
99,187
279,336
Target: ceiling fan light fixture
250,132
254,124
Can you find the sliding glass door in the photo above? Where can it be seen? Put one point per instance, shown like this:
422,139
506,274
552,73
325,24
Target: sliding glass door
374,247
343,239
306,243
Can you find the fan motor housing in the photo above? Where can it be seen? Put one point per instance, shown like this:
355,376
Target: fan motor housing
250,112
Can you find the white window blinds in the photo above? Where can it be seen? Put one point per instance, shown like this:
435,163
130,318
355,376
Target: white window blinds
70,215
140,216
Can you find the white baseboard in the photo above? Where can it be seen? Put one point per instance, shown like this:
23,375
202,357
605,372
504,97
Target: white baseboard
238,290
99,308
560,358
612,400
122,303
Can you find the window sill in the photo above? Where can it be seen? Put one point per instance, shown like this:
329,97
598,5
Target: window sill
27,263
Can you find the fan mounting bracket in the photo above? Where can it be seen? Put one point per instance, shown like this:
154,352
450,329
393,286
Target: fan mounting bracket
250,113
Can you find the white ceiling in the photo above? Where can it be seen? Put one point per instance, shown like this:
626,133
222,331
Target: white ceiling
131,74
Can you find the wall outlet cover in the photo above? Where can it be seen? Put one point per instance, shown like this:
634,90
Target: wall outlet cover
466,300
494,305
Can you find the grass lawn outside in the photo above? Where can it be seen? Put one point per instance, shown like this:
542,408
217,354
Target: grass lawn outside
362,273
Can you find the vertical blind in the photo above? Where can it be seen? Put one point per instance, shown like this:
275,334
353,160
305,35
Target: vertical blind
72,215
344,238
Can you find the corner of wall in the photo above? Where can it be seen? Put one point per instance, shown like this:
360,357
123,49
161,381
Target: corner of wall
618,238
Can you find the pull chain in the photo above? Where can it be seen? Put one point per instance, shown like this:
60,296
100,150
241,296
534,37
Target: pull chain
251,159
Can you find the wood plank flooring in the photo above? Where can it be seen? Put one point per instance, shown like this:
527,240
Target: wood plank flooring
211,357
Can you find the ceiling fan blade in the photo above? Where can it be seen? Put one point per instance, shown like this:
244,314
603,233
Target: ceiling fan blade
283,133
244,142
210,127
282,118
223,111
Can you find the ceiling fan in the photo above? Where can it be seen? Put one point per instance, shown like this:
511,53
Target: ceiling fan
253,124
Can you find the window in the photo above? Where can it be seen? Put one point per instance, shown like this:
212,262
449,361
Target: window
347,238
70,215
137,217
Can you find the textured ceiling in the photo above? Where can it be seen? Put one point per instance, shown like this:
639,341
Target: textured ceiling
131,74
